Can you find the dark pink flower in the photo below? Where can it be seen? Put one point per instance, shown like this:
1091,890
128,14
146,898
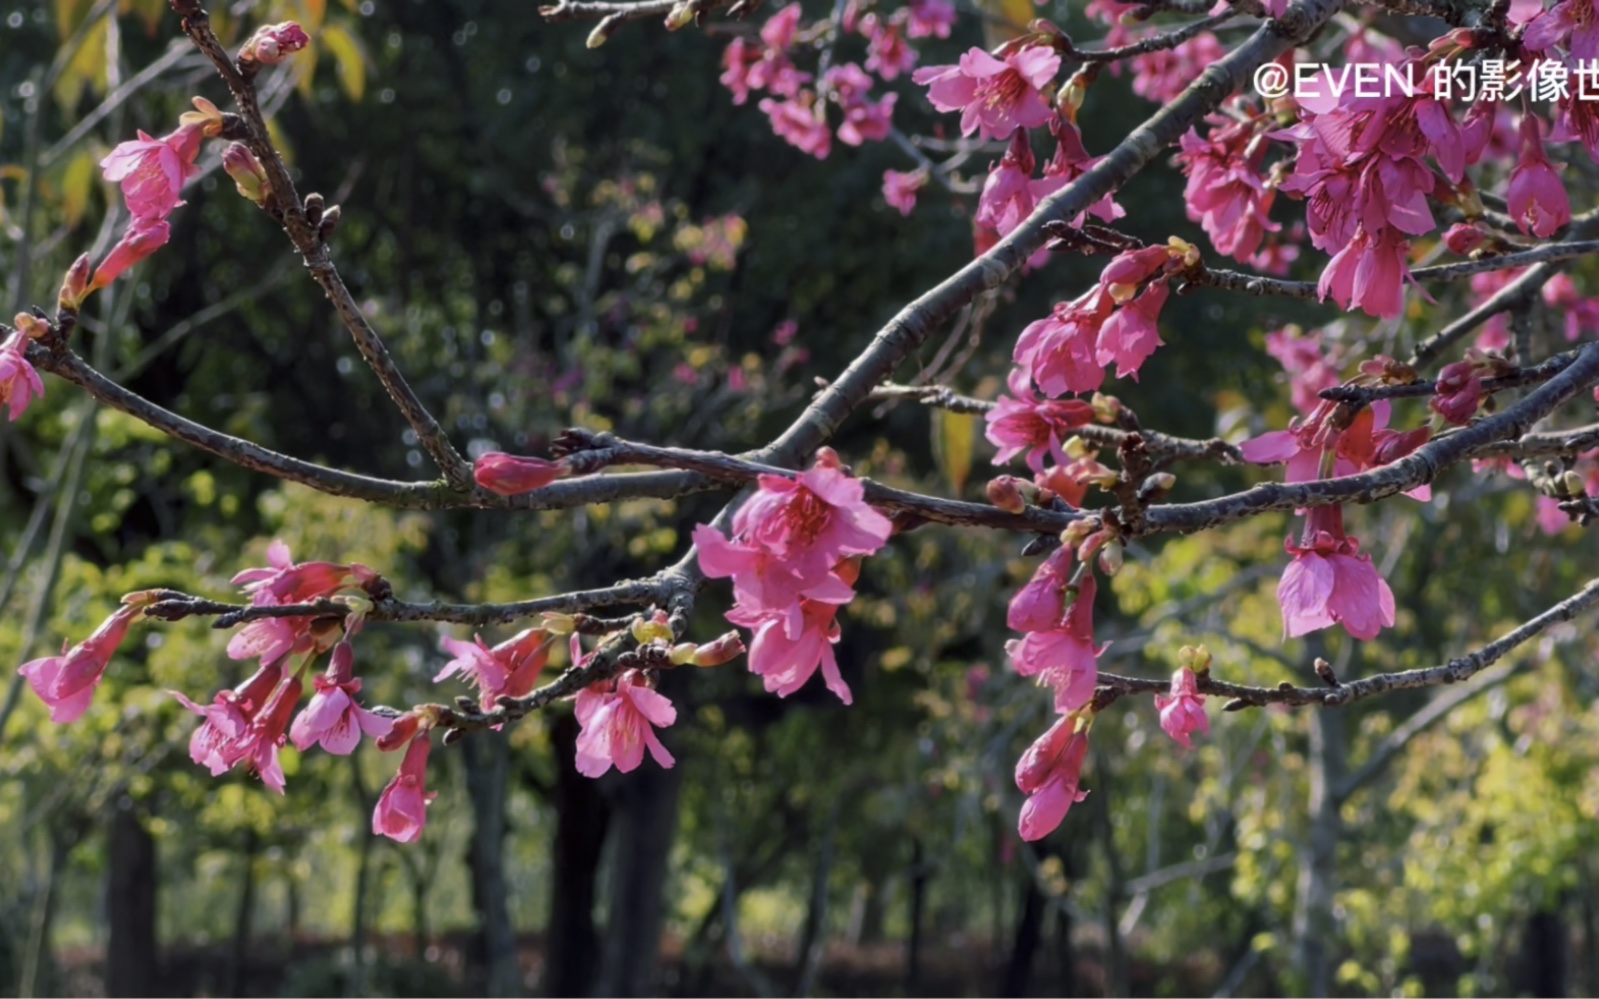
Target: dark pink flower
868,122
1570,23
618,719
1536,198
1057,352
1458,393
1582,314
887,53
228,716
1007,197
513,475
1330,581
899,189
402,810
1369,273
798,121
510,669
273,43
266,733
1163,75
929,18
1040,427
1058,646
1069,162
1308,369
152,172
333,718
1227,194
66,682
1462,238
1133,281
789,536
994,96
19,382
788,647
1182,712
1049,774
144,236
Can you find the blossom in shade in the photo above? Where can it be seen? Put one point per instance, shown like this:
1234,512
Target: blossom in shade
788,537
66,682
1007,197
1022,422
1536,198
1369,273
228,716
258,747
789,645
512,475
1227,193
929,18
510,669
900,189
1182,712
618,719
1049,773
1573,24
994,96
402,810
152,172
273,43
1364,444
1458,392
798,121
333,717
1330,581
1058,646
887,53
19,382
144,236
1057,352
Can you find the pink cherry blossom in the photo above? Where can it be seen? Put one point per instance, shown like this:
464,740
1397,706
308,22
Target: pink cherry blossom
1330,581
929,18
1182,712
1129,335
1458,393
1023,422
1007,197
152,172
788,537
258,747
1369,273
900,189
402,810
788,647
1049,773
1363,445
512,475
865,121
994,96
1536,198
887,53
1163,75
1462,238
798,121
19,382
1309,370
510,669
618,719
1058,351
333,718
66,683
273,43
1058,647
144,236
228,716
1227,194
1582,313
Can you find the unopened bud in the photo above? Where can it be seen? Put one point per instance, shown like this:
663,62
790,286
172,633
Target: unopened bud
1156,486
1077,530
1092,544
1111,558
247,172
645,632
1182,249
141,598
207,115
31,326
1107,408
680,16
559,624
1077,448
403,731
273,43
1194,657
683,653
1005,493
724,649
330,222
314,206
1573,483
75,284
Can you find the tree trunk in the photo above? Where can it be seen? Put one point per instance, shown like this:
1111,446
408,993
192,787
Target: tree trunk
131,962
238,970
644,811
1029,934
1318,860
356,983
813,938
1542,970
581,822
913,953
491,967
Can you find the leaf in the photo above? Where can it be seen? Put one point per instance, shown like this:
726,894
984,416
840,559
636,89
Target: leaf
77,182
69,15
349,58
954,438
87,66
1004,19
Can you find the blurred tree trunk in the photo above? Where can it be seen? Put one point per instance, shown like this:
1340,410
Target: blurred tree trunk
813,938
1029,934
1543,966
131,968
919,873
581,821
1314,926
38,964
356,984
491,968
644,813
238,971
1117,973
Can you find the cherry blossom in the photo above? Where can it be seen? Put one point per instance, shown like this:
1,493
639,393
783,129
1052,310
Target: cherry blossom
618,719
1536,198
1049,773
994,96
1182,712
402,810
513,475
1023,422
66,683
19,382
333,717
900,189
1330,581
152,172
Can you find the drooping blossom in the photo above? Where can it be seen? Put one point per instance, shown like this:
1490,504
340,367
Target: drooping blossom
864,120
1058,645
887,53
333,717
1182,712
1164,74
1582,313
900,189
1364,444
764,65
788,537
1007,198
994,96
800,121
19,382
258,746
510,669
281,582
1308,367
790,645
929,18
273,43
618,719
1227,194
1462,238
1129,335
402,810
1369,273
66,683
1022,422
1536,198
1070,161
144,236
1049,773
1572,24
1458,393
1057,352
152,171
1330,581
512,475
228,716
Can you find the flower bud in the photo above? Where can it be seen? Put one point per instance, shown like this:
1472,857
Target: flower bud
1107,408
31,326
513,475
273,43
559,624
1077,448
141,598
247,172
1462,238
75,284
1077,530
207,115
1092,544
724,649
1194,657
683,653
1573,484
1156,486
1111,558
1183,250
405,728
1005,493
645,632
680,16
330,222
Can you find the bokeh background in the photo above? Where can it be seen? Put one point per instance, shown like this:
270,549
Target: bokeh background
547,236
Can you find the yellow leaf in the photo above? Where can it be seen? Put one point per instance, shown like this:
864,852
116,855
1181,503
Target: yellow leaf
86,68
77,180
954,436
69,15
348,57
1004,19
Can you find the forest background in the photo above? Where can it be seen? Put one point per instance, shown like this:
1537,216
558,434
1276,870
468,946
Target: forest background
551,236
